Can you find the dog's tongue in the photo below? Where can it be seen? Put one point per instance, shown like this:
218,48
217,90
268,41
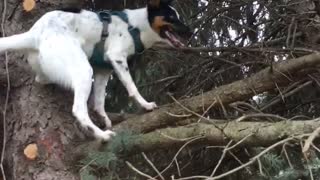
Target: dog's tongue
175,41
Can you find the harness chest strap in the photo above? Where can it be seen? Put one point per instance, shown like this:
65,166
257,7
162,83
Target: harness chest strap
97,58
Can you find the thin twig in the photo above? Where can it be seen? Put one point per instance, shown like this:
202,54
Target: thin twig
247,105
178,167
287,156
307,160
196,114
275,101
259,115
139,172
241,141
206,111
257,157
176,155
307,145
179,116
260,167
310,172
227,148
7,95
152,165
315,147
223,108
224,152
194,177
176,139
248,163
239,161
87,165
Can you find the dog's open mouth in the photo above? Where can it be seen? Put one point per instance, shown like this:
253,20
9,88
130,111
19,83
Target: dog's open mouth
173,38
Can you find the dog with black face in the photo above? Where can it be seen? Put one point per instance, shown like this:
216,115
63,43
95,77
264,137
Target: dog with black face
62,48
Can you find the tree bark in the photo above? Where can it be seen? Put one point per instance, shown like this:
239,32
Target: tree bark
265,80
42,115
256,134
36,114
247,134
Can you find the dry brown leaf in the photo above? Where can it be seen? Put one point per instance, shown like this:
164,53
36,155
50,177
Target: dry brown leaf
31,151
28,5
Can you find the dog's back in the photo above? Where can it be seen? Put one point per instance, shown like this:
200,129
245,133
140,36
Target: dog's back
84,26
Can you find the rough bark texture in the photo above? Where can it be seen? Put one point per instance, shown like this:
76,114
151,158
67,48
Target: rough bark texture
281,73
251,134
36,114
42,114
256,134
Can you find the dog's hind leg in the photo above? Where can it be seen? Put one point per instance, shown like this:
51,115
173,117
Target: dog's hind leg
33,60
101,77
82,88
64,62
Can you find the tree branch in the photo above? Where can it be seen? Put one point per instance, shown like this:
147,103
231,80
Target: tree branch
281,74
264,134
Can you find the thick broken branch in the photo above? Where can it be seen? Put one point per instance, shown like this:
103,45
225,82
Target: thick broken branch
263,134
265,80
253,134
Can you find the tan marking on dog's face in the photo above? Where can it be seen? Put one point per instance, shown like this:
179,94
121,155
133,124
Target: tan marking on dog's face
158,23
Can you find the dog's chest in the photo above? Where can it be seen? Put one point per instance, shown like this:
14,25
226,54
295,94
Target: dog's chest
118,37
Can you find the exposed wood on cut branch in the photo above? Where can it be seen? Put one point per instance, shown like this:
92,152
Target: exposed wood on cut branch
265,80
253,134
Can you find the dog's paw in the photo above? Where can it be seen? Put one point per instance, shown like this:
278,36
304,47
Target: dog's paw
106,135
149,106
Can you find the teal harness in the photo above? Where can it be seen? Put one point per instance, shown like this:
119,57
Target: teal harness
97,58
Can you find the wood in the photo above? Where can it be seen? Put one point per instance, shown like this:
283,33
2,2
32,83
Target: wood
283,73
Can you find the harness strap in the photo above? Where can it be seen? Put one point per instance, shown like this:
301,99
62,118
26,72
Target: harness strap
97,58
105,17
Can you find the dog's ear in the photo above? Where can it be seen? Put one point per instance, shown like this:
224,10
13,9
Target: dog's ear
154,3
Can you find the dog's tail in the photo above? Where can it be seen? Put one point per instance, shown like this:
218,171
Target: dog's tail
17,42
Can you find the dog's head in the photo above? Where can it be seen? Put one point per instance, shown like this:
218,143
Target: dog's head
165,21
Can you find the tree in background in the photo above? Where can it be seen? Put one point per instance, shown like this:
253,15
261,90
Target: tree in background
240,102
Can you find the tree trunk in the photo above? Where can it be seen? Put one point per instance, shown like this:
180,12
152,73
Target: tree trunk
41,115
36,114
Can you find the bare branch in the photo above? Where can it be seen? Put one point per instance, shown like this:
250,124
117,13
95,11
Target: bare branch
139,172
237,91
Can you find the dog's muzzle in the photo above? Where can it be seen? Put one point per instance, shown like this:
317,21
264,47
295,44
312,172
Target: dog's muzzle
176,34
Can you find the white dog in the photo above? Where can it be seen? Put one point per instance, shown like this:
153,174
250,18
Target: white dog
61,45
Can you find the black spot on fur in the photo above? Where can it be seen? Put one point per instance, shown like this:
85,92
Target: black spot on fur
71,9
119,62
127,69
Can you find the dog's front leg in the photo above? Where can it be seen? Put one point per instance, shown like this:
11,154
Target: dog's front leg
120,66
